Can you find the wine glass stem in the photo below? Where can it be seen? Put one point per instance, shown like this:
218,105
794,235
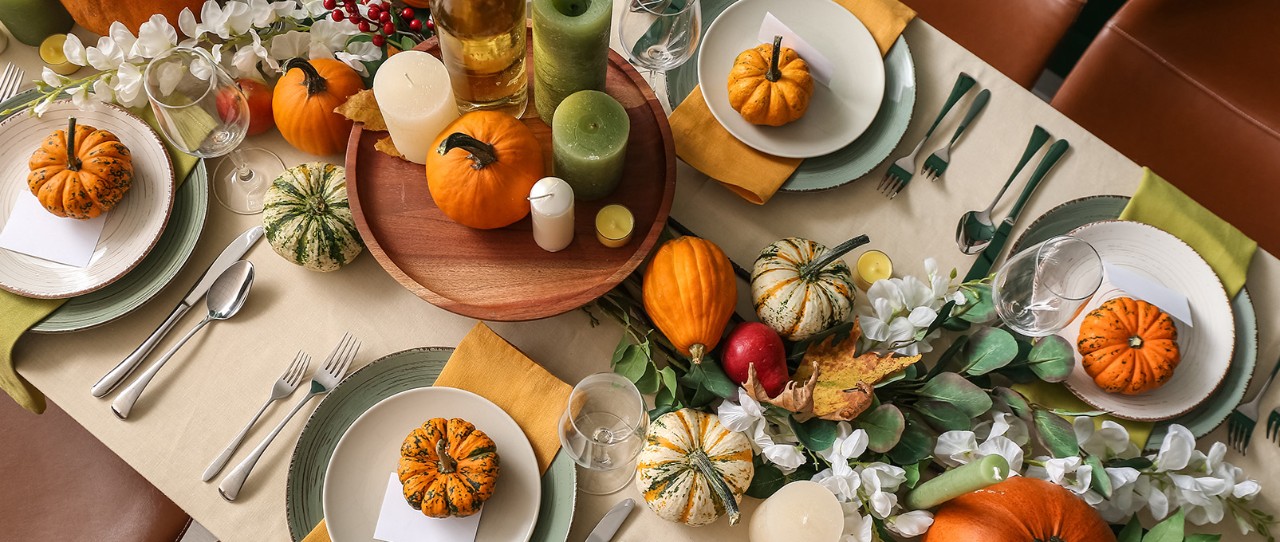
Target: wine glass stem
243,173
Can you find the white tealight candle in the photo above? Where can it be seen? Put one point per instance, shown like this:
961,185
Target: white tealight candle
551,205
413,92
799,512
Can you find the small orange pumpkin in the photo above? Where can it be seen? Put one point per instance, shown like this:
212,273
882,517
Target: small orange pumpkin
1128,346
448,468
482,168
304,100
689,292
82,176
1019,509
770,84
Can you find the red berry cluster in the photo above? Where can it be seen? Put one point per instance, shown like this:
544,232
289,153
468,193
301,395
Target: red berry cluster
380,19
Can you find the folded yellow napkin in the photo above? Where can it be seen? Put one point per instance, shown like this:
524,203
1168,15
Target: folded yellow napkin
704,144
1058,396
18,314
1162,205
490,367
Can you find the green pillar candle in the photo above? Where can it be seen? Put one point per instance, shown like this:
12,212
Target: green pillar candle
958,481
570,50
589,143
31,21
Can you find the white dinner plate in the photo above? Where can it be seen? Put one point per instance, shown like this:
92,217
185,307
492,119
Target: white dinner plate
1206,347
132,227
837,113
356,479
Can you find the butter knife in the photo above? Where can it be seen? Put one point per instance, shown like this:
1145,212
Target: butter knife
611,521
229,256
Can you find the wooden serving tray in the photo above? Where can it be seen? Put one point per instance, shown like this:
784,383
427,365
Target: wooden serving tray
502,274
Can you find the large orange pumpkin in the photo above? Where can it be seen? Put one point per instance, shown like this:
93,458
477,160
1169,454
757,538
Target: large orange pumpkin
689,292
481,169
1019,509
448,468
97,15
303,103
83,176
1128,346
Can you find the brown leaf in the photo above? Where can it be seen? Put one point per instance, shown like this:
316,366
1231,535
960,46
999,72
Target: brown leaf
386,146
845,380
796,397
362,107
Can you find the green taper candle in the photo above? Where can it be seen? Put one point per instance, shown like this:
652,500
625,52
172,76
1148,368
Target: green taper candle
570,50
589,143
958,481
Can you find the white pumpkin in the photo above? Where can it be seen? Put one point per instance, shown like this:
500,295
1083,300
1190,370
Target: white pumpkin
799,288
692,469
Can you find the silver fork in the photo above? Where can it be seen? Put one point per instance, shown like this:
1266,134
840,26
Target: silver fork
1242,420
322,381
10,81
282,388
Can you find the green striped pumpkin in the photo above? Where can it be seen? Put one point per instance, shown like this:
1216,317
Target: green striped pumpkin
800,288
692,469
308,220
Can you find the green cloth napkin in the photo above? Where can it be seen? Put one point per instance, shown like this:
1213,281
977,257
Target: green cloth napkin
18,314
1162,205
1058,396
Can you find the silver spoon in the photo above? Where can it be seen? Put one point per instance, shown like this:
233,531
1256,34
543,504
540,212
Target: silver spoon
224,300
975,229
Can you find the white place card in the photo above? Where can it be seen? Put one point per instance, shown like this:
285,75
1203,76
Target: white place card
34,231
820,66
1140,287
399,522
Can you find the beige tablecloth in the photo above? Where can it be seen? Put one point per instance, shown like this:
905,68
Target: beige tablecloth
204,395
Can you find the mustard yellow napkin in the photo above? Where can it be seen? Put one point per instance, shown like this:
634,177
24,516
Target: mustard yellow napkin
1162,205
1058,396
490,367
18,314
704,144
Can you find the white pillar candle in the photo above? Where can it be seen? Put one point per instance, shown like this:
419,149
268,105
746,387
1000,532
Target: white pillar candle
551,204
413,92
799,512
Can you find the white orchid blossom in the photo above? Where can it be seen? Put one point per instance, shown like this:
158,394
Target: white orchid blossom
849,444
155,37
857,527
842,481
357,54
955,448
73,49
1175,451
248,57
769,440
292,44
909,524
124,39
1111,440
901,309
106,55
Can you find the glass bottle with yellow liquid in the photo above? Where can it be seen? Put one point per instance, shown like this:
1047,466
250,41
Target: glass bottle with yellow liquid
482,43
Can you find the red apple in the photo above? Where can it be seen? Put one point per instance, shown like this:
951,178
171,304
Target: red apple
755,343
259,98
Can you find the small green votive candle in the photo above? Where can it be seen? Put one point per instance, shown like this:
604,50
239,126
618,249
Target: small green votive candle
589,143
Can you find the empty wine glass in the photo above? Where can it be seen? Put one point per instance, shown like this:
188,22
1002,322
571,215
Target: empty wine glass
1042,289
603,429
659,35
202,111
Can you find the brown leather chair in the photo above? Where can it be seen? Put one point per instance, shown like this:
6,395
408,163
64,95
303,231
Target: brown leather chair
1191,90
1014,36
62,484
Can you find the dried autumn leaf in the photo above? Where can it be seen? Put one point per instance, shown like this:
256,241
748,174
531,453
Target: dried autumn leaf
795,397
362,107
386,146
845,380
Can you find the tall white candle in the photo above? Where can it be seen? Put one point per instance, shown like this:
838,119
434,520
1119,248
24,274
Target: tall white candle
551,205
799,512
413,92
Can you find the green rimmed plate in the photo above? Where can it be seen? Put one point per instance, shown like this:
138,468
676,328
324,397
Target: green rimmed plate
1208,416
857,158
380,379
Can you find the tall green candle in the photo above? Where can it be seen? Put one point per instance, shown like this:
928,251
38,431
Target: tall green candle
589,143
570,50
956,482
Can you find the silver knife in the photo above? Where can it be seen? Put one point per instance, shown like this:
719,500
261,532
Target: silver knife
230,255
611,521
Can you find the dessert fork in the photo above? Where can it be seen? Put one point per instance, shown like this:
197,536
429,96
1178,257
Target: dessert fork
282,388
900,172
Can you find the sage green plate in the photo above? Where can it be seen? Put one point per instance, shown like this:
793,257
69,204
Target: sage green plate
855,159
1208,416
382,378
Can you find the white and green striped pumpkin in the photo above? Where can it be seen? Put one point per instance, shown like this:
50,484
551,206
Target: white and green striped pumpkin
692,469
307,218
800,288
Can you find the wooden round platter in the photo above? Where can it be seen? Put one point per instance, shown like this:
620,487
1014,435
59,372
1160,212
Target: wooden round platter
502,274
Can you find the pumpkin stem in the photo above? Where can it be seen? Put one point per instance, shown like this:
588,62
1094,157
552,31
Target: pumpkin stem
482,154
719,487
1135,341
315,83
696,352
73,162
821,262
447,464
774,74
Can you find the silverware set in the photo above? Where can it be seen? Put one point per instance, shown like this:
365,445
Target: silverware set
901,170
1242,420
10,81
283,387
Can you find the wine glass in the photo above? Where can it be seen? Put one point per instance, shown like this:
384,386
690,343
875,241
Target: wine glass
1040,290
603,429
202,111
659,35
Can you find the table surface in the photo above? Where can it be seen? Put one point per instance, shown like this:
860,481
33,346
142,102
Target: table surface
201,399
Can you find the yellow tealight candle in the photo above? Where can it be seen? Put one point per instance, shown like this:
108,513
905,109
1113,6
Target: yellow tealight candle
614,224
873,265
51,53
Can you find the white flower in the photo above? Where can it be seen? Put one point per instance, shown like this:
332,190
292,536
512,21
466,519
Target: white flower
154,37
1069,472
1175,451
849,444
291,44
910,524
124,40
106,56
80,97
1006,425
128,86
1124,502
233,19
249,55
748,417
262,13
857,528
1003,447
328,36
358,53
187,24
308,9
103,91
955,448
51,78
879,482
742,416
73,49
41,108
1111,440
901,309
842,481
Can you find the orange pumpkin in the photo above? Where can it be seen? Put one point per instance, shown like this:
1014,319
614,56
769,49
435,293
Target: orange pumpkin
689,292
97,15
770,84
82,177
1019,509
303,103
448,468
482,168
1128,346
